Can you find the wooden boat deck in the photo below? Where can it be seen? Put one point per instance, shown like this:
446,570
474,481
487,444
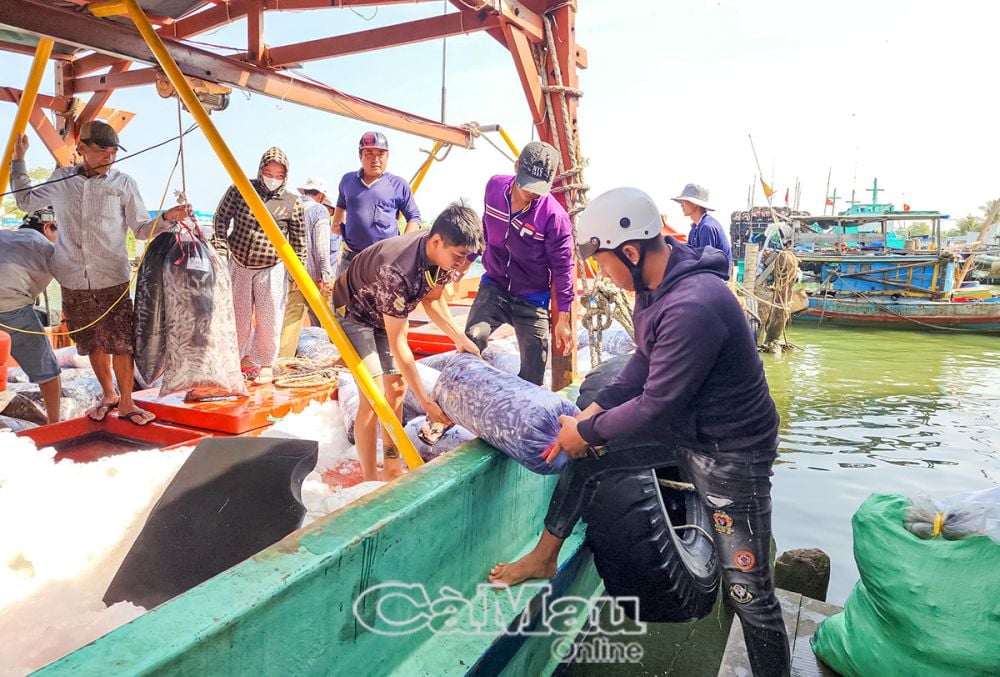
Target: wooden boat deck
802,616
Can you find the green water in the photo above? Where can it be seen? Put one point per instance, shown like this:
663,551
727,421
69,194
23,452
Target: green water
867,412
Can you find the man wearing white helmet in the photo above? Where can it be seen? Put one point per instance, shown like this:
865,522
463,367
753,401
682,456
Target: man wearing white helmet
696,386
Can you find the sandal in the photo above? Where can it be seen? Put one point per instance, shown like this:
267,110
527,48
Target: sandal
431,433
101,411
145,417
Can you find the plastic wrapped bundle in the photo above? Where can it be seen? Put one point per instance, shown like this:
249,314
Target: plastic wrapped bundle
15,424
80,391
502,359
150,311
411,407
202,353
437,361
315,345
347,395
449,440
517,417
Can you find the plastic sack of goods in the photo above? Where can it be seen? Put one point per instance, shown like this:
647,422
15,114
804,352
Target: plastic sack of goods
452,438
517,417
315,345
203,357
922,607
347,395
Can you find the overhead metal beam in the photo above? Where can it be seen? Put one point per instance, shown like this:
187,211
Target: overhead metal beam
62,151
97,101
122,41
255,32
433,28
116,79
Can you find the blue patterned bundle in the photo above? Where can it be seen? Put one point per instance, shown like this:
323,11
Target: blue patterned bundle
517,417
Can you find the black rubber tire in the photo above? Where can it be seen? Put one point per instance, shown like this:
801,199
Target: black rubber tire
631,531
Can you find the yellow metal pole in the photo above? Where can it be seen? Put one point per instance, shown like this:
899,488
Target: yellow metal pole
510,142
25,105
285,251
424,168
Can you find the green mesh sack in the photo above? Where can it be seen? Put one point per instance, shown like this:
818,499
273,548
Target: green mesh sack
922,607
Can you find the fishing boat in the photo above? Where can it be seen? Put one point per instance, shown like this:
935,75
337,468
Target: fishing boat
870,276
310,602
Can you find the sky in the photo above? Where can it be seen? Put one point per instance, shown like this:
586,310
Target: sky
901,91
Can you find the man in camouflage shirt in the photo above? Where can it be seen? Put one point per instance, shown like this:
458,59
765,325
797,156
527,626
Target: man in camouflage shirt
373,299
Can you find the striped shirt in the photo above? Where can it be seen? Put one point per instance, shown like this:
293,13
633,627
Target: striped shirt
94,215
317,241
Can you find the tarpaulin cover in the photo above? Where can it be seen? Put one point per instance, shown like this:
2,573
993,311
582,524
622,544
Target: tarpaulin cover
517,417
150,312
232,498
922,607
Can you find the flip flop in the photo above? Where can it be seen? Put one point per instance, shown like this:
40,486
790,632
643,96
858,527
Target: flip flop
432,433
142,420
103,409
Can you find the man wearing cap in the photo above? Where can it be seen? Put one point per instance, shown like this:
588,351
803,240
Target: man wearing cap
318,210
24,274
705,230
369,201
529,249
95,206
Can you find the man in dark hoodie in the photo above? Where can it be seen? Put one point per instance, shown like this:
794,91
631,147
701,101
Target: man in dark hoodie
696,386
259,283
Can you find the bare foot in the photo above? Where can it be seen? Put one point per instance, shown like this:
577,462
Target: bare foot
531,565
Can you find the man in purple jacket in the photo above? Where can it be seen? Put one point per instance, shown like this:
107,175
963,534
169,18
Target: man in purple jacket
529,248
696,386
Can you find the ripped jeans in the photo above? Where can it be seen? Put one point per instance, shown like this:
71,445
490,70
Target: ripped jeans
736,490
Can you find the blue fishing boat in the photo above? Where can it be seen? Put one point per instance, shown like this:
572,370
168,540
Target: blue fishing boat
869,275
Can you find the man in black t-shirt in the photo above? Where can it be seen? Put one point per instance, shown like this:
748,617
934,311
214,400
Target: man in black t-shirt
373,300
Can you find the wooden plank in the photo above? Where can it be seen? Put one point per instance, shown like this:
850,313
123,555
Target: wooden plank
802,616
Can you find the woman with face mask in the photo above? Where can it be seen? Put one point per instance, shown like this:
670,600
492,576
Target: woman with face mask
259,281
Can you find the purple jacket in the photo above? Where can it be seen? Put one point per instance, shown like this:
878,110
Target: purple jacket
695,377
527,253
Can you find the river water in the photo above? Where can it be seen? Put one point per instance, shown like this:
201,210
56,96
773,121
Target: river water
864,412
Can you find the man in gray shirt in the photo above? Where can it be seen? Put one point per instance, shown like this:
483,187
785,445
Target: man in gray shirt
95,206
24,274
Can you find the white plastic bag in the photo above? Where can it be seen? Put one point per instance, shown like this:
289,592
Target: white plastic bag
972,513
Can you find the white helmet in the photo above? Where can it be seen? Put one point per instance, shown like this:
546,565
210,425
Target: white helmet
616,217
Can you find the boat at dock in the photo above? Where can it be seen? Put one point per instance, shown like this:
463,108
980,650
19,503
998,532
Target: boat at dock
867,274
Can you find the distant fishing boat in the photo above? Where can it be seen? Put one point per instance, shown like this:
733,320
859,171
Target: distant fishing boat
871,276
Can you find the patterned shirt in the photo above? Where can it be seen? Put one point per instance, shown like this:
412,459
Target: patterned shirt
93,215
24,267
389,278
246,240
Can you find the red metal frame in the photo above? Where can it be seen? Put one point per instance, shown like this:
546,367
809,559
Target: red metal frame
518,26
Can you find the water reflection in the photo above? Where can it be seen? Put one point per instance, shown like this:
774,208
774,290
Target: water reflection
874,412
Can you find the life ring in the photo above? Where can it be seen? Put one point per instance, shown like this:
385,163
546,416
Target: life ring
638,552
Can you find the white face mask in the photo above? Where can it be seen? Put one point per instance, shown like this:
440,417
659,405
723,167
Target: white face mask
272,184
